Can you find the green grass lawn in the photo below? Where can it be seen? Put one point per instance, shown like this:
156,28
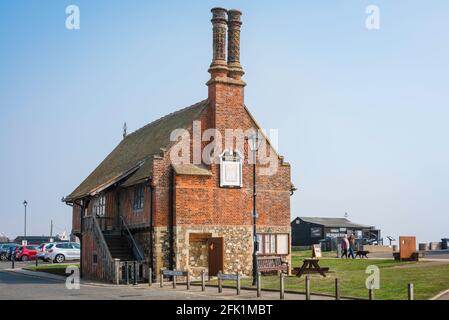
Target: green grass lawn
56,268
429,278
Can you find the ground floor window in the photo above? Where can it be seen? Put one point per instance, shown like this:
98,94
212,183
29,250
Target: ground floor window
273,243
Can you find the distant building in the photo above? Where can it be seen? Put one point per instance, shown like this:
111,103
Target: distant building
3,238
308,231
35,240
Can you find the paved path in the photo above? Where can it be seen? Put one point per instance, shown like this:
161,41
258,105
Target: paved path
15,284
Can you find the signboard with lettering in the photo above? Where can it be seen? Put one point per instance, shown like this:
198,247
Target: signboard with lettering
174,273
223,276
316,251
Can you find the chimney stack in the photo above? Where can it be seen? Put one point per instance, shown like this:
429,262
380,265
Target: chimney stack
219,68
234,26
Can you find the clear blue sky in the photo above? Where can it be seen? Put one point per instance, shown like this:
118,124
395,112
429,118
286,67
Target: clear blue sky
362,115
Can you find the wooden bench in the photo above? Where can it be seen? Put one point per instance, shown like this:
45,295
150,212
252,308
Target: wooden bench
271,264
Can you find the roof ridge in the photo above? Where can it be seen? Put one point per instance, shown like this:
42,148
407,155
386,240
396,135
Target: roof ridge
166,116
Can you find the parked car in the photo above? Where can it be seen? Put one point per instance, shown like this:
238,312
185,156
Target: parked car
4,248
7,250
59,252
43,249
26,253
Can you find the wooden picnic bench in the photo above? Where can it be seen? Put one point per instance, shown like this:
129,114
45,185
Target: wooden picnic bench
271,264
310,266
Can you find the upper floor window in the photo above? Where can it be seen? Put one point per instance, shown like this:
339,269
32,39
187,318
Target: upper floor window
99,207
138,197
231,169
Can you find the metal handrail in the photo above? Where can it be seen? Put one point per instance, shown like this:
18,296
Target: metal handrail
132,238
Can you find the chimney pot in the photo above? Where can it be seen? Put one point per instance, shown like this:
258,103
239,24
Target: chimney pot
234,26
219,23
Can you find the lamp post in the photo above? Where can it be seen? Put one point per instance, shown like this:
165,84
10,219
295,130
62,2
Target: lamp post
254,144
25,203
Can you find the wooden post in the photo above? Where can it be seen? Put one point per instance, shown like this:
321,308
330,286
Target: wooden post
188,280
135,273
307,288
337,289
37,261
410,292
127,272
161,278
220,285
174,282
371,294
259,285
117,271
203,280
150,277
281,285
238,284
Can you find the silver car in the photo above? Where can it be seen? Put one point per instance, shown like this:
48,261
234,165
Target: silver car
60,251
43,249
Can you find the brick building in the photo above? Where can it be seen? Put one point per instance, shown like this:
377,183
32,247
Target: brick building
194,214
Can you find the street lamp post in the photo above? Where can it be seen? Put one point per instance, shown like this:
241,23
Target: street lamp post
25,203
254,144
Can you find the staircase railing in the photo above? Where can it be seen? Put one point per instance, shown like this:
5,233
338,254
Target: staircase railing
107,272
136,248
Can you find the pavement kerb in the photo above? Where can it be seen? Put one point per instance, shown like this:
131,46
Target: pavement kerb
439,295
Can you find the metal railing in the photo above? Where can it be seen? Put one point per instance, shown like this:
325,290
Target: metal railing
136,248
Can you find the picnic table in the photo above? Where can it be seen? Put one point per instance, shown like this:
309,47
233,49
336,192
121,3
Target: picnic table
310,266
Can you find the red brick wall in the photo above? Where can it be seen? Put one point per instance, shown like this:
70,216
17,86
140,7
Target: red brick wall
200,200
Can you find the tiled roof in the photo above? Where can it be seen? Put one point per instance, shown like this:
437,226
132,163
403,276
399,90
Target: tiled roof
333,222
132,158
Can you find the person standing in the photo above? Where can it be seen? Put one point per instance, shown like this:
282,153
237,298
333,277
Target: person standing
351,241
344,246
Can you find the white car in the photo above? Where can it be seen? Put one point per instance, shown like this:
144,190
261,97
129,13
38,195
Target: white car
61,251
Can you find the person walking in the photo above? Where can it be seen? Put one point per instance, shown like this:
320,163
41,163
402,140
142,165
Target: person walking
344,246
351,241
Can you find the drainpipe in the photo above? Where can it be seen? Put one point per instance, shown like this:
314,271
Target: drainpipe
82,205
171,218
151,226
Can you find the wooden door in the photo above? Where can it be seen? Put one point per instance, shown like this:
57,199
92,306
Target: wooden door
215,255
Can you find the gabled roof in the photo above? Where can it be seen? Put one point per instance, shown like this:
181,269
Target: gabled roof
333,222
132,158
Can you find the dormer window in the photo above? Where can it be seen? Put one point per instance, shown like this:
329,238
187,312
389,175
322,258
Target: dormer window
231,169
99,207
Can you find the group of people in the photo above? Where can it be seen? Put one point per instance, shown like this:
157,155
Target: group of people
348,247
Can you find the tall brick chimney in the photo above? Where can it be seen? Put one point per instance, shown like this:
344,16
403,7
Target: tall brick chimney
225,85
219,67
234,25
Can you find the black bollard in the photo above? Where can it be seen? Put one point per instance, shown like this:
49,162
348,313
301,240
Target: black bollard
135,273
126,272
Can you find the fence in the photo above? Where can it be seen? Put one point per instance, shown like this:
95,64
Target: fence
237,279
